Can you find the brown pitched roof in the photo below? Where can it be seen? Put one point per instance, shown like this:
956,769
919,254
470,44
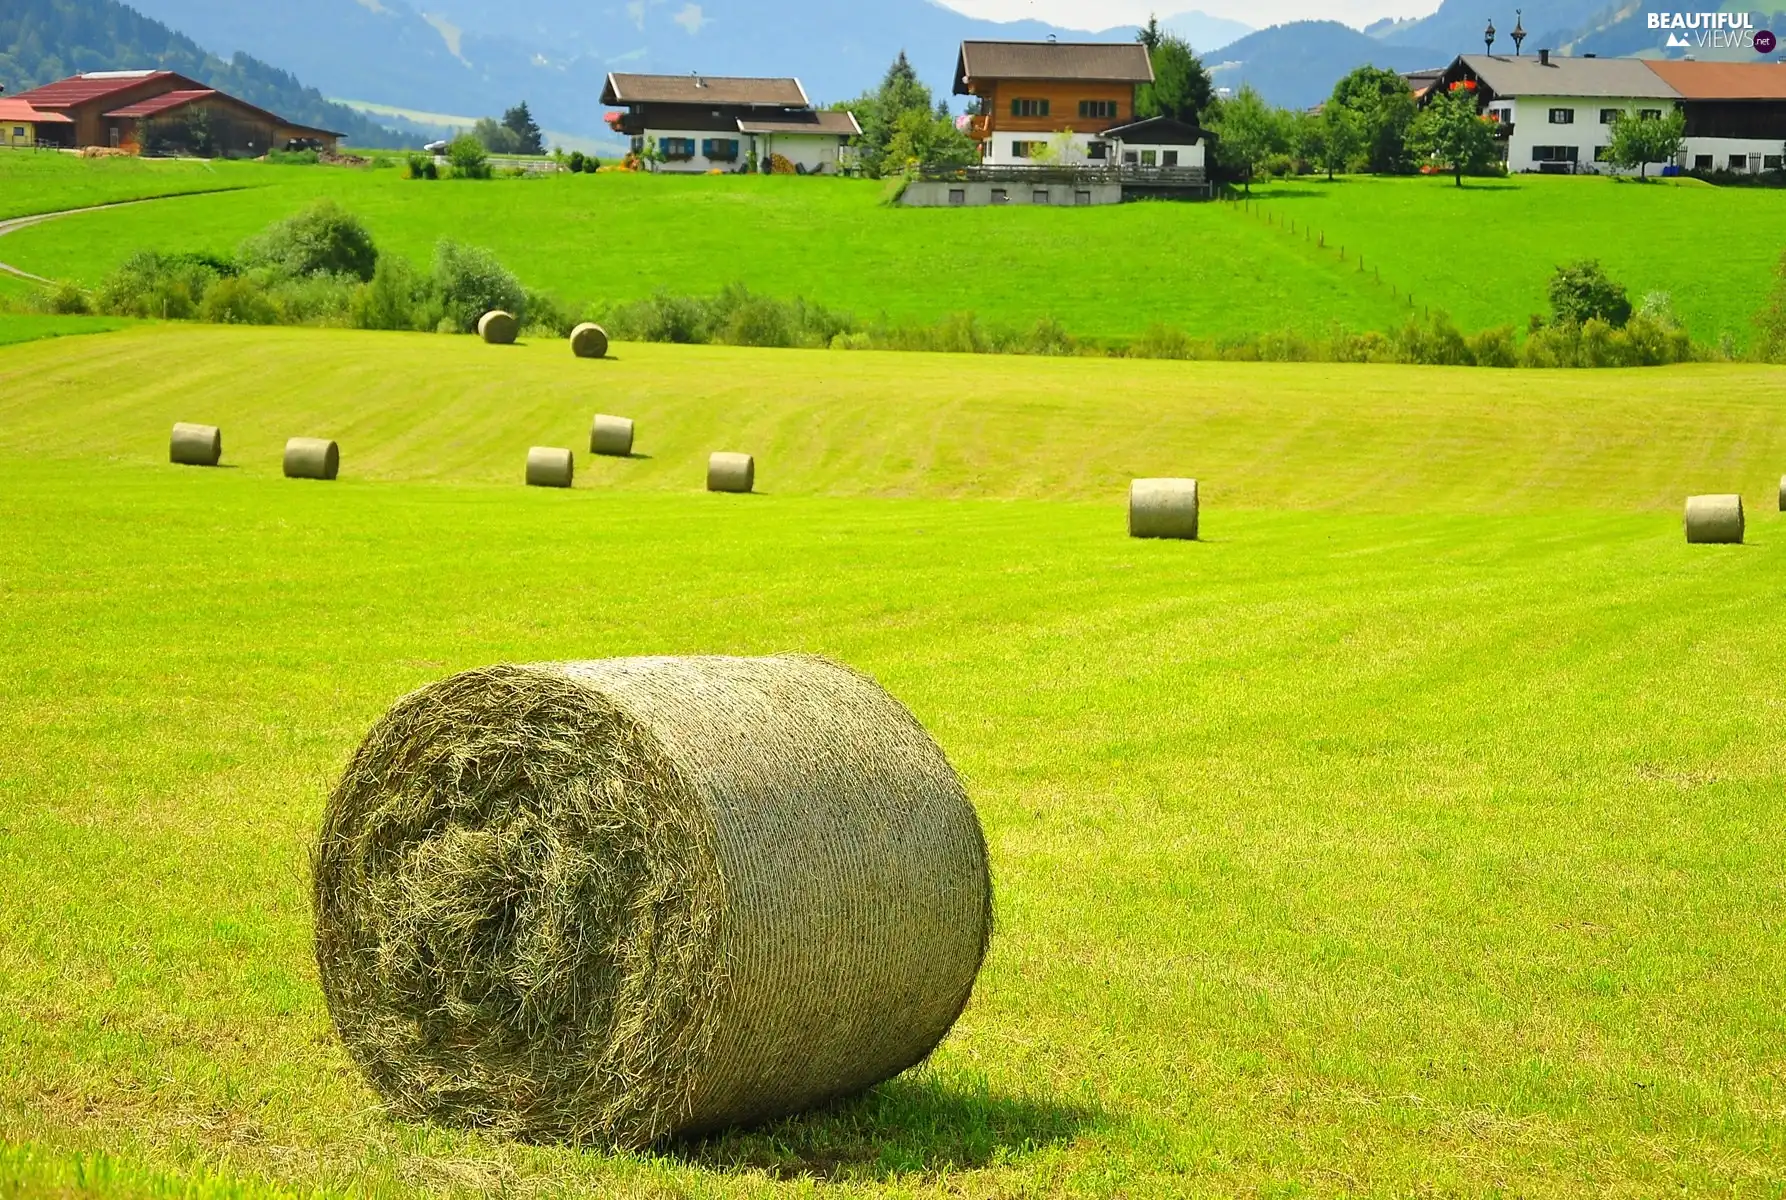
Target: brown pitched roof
704,89
1722,80
1096,62
156,105
841,123
66,93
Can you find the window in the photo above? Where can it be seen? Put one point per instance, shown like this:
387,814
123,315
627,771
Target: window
1649,114
1702,162
1101,109
1029,108
1169,158
721,149
1026,149
1770,162
1082,198
1130,158
1739,162
18,131
957,196
1038,197
1608,115
1600,153
1562,116
1555,153
1097,151
1000,196
1150,158
677,148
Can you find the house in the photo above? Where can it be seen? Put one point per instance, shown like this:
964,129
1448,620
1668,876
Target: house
164,112
19,122
1157,142
1050,100
1736,113
701,123
1555,113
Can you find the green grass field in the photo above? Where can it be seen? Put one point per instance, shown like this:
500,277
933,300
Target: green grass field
1482,253
34,182
1415,833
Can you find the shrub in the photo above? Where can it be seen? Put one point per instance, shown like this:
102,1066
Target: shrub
323,239
577,162
852,341
236,300
470,282
468,158
313,299
397,297
1581,291
421,166
1436,343
1494,347
1770,346
148,284
294,158
68,300
546,315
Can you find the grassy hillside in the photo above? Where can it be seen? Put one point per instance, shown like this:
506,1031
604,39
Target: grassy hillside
1415,832
39,182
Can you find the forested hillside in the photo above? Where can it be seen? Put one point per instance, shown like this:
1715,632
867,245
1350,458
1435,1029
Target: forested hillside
45,40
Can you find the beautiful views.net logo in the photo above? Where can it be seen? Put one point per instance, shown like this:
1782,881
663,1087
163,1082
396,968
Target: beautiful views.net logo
1713,31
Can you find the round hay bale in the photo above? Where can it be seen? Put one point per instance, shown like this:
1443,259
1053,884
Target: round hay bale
618,901
196,445
1163,508
1714,520
549,466
612,436
589,340
312,458
731,472
499,328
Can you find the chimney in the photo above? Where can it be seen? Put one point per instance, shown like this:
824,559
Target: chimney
1544,58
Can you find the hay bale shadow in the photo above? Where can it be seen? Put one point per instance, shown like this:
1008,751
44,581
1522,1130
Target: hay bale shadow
921,1124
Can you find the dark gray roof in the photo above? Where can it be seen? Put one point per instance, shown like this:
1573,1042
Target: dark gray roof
841,123
1089,62
1600,77
1159,131
704,89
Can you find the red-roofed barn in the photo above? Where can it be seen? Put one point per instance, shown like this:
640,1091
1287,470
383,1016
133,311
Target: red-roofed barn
162,112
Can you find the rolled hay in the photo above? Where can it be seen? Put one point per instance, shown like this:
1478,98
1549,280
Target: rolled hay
196,445
589,340
550,466
625,900
499,328
312,458
1714,520
612,436
1163,508
731,472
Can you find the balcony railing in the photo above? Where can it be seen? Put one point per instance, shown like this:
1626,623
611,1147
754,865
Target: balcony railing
1081,174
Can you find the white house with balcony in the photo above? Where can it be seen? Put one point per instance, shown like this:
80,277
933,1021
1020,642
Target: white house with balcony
698,124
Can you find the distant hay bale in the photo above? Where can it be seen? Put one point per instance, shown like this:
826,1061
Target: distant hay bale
499,328
196,445
1163,508
1715,520
1783,493
589,340
618,901
612,436
731,472
312,458
549,466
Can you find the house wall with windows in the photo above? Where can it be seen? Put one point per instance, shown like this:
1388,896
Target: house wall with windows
1020,117
1550,132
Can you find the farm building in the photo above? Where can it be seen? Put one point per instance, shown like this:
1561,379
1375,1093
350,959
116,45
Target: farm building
701,123
1555,113
20,123
163,112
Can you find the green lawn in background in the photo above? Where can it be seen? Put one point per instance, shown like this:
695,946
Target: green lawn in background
1416,832
29,327
39,181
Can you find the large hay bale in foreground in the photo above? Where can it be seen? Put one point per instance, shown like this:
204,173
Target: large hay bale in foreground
195,445
499,328
1714,520
589,340
731,472
612,436
1163,508
550,466
312,458
616,901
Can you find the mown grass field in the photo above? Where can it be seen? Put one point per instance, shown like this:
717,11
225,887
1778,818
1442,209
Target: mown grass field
1482,253
1416,832
35,181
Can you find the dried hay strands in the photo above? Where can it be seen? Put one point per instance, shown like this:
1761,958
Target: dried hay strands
589,340
731,472
499,328
1163,508
611,436
1714,520
550,466
196,445
618,901
312,458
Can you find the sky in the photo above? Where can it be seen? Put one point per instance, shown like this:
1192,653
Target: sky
1102,14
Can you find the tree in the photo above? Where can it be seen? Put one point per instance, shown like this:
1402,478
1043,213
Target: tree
1248,131
1451,132
467,156
497,139
519,121
1329,139
923,137
1638,141
1384,106
1180,88
323,239
1582,291
903,103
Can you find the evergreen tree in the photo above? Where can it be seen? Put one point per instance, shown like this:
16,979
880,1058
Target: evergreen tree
527,134
1180,88
902,122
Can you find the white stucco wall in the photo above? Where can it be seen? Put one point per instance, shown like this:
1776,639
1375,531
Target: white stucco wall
1532,127
1188,156
1077,147
700,163
819,153
1755,151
